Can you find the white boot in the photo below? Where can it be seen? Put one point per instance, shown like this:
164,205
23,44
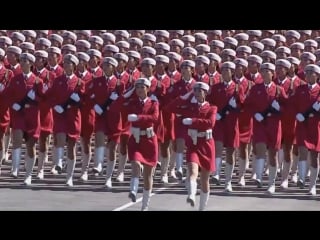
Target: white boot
54,160
41,161
313,180
272,179
204,197
164,170
280,160
294,168
85,167
242,171
216,175
179,163
29,167
99,157
16,158
70,170
110,168
134,185
254,170
302,170
192,191
259,171
121,167
285,174
59,160
1,159
146,200
7,139
172,165
229,170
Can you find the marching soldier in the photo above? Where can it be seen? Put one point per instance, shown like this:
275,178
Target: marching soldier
199,117
94,63
54,56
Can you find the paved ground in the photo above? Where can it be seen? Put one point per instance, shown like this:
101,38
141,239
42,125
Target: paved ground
52,194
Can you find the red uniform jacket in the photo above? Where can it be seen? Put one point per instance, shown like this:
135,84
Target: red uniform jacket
257,78
99,92
203,78
69,121
203,118
308,131
146,151
16,70
5,77
176,75
27,118
226,130
98,72
133,75
58,70
87,112
267,131
46,117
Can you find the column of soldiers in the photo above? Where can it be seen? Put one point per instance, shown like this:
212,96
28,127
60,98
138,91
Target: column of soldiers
174,98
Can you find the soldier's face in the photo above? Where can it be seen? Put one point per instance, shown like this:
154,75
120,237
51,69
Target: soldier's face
107,69
186,71
39,63
200,67
52,59
281,71
25,65
267,75
12,59
68,66
147,69
226,74
311,77
239,70
141,90
199,94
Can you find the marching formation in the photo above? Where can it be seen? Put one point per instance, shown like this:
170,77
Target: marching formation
176,99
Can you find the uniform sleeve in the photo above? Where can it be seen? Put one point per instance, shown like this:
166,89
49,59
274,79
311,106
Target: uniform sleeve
160,91
174,106
207,122
39,90
153,117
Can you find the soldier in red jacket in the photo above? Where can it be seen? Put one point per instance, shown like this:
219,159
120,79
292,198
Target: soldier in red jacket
5,77
307,106
143,113
54,57
13,53
65,98
102,91
202,63
200,118
214,75
245,119
22,96
266,122
180,131
46,118
253,74
94,63
227,96
87,115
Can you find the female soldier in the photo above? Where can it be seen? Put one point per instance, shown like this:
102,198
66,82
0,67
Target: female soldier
143,113
65,98
199,117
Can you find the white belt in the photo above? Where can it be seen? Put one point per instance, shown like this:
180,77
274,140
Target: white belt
194,134
137,132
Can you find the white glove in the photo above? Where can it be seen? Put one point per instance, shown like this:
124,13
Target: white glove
75,97
154,98
97,109
45,88
129,93
275,105
114,96
1,87
31,94
194,100
300,117
258,117
316,106
218,116
16,106
186,96
92,96
132,117
58,109
187,121
232,102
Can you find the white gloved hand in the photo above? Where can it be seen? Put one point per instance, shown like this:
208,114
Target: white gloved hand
75,97
16,106
1,87
194,100
258,117
114,96
31,94
132,117
45,88
129,93
187,121
316,106
92,96
218,116
154,98
232,102
186,96
275,104
58,109
300,117
97,109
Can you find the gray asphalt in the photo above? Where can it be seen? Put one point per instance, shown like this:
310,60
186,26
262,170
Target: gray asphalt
52,194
